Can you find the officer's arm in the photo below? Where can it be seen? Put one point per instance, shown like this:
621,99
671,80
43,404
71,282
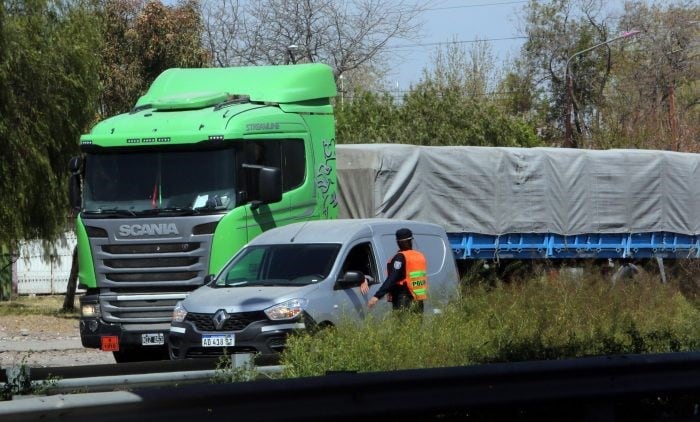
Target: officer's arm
395,275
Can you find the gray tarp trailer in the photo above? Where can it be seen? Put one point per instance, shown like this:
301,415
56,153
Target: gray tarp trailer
531,203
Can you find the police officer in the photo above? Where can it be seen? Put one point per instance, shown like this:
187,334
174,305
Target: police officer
406,282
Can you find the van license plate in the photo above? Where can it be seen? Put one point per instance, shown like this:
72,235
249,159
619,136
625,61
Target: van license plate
152,339
225,340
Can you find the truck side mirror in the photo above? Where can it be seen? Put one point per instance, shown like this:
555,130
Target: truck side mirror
74,164
270,185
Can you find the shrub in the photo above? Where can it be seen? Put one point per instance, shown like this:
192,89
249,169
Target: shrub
533,320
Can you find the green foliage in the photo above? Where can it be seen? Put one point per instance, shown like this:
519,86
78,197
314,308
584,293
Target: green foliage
49,90
450,106
430,115
368,118
227,370
142,39
538,319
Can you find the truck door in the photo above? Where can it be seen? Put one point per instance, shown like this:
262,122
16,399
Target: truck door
269,153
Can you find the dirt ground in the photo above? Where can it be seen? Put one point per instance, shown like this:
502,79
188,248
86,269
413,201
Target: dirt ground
45,341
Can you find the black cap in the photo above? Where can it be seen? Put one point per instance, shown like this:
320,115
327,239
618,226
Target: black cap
403,234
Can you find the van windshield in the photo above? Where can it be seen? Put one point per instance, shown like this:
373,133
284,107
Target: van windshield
279,265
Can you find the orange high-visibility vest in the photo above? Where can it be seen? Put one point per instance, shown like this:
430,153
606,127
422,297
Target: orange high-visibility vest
416,274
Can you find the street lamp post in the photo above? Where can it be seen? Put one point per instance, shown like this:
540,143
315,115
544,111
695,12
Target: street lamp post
569,138
290,54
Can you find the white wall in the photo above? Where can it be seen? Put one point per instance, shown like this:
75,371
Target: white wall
44,269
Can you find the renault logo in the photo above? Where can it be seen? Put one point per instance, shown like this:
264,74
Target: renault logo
220,318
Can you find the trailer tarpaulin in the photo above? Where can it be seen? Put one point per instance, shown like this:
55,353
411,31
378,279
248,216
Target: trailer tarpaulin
498,190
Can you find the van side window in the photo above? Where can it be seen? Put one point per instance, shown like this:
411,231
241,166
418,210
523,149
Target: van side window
361,258
432,246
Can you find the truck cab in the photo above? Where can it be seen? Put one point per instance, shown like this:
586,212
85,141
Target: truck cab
205,161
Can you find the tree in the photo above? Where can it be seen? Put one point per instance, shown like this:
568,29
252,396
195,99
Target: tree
367,118
655,101
144,38
348,35
556,31
452,105
68,301
48,91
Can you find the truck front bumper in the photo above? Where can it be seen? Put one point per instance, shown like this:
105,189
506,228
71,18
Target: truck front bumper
98,334
110,336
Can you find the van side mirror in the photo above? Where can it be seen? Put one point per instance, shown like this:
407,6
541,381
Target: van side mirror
349,280
208,278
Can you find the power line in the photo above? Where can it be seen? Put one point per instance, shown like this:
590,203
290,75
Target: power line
465,6
432,44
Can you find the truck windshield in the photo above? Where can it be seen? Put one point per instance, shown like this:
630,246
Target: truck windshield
135,183
279,265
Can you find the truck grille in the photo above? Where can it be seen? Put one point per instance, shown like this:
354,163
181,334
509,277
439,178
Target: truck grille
141,278
150,248
143,264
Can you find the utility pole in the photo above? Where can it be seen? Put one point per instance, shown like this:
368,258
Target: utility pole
569,131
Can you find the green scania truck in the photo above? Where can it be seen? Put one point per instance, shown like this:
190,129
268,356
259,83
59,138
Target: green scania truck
205,161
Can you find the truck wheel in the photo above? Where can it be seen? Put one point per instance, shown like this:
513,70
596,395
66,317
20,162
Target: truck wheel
141,355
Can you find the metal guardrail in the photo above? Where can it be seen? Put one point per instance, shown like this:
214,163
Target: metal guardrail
588,386
100,378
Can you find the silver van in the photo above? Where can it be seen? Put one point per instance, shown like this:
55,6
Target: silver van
302,276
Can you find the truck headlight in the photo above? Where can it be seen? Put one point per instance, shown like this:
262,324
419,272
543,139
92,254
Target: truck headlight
286,310
179,313
90,310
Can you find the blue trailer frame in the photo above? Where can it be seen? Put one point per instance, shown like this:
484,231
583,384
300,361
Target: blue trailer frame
467,246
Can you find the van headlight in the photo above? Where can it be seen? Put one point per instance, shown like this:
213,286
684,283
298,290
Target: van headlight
179,313
286,310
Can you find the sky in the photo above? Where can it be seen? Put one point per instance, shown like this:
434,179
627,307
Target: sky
499,21
464,21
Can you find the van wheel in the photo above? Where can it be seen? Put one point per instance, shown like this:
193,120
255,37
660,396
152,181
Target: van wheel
322,327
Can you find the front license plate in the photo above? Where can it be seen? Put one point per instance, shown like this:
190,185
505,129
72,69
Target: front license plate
225,340
154,339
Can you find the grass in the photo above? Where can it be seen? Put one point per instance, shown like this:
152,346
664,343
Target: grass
49,305
533,320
